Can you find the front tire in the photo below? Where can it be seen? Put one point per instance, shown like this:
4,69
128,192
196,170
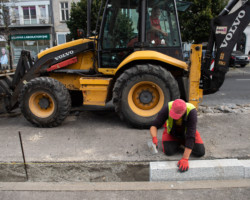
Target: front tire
141,92
45,102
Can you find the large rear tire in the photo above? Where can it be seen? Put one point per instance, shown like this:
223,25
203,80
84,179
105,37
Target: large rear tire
141,92
45,102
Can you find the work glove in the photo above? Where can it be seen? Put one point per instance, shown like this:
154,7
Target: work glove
155,141
183,165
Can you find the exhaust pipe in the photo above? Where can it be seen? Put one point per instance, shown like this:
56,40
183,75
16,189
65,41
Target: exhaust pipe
89,18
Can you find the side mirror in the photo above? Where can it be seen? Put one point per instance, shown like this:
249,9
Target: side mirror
80,33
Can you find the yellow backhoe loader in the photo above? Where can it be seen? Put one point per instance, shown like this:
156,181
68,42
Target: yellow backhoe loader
135,60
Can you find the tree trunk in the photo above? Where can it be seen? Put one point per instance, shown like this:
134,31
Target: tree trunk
10,55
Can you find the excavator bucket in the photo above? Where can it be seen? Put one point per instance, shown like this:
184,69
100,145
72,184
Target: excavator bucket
10,79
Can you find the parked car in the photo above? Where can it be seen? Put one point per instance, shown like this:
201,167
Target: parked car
238,58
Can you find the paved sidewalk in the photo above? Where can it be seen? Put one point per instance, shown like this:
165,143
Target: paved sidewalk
97,146
95,137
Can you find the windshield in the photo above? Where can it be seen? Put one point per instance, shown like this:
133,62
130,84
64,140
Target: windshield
163,29
121,24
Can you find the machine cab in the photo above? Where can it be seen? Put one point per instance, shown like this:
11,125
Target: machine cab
132,25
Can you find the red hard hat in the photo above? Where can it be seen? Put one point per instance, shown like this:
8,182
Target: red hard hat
178,109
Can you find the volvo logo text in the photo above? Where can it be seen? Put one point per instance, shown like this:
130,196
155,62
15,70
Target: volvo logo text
232,30
64,55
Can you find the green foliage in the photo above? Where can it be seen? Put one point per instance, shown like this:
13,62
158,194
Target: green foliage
195,22
78,17
123,30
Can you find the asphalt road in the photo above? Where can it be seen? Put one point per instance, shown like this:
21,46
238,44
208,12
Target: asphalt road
235,89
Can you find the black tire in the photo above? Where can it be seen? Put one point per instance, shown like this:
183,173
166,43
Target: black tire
243,65
141,92
5,94
45,102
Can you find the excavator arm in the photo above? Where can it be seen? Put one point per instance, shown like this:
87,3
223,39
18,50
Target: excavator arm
226,29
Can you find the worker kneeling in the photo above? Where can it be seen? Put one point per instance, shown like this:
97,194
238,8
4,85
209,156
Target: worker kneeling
179,119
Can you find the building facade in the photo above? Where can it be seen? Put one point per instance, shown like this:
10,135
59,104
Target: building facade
61,13
30,27
34,25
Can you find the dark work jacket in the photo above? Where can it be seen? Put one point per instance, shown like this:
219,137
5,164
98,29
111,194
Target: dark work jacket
179,131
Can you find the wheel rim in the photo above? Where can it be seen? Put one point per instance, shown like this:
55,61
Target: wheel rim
146,98
41,104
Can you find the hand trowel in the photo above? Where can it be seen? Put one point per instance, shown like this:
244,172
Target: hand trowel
152,147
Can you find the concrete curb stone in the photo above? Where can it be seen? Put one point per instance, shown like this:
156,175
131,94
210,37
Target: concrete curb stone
220,169
246,164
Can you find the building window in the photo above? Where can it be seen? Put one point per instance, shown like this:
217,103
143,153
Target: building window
4,15
42,11
35,43
15,15
43,17
29,15
1,18
64,11
61,38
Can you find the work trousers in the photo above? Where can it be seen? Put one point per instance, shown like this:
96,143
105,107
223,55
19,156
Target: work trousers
171,144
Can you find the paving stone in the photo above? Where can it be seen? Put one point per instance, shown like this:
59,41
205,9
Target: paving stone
198,170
